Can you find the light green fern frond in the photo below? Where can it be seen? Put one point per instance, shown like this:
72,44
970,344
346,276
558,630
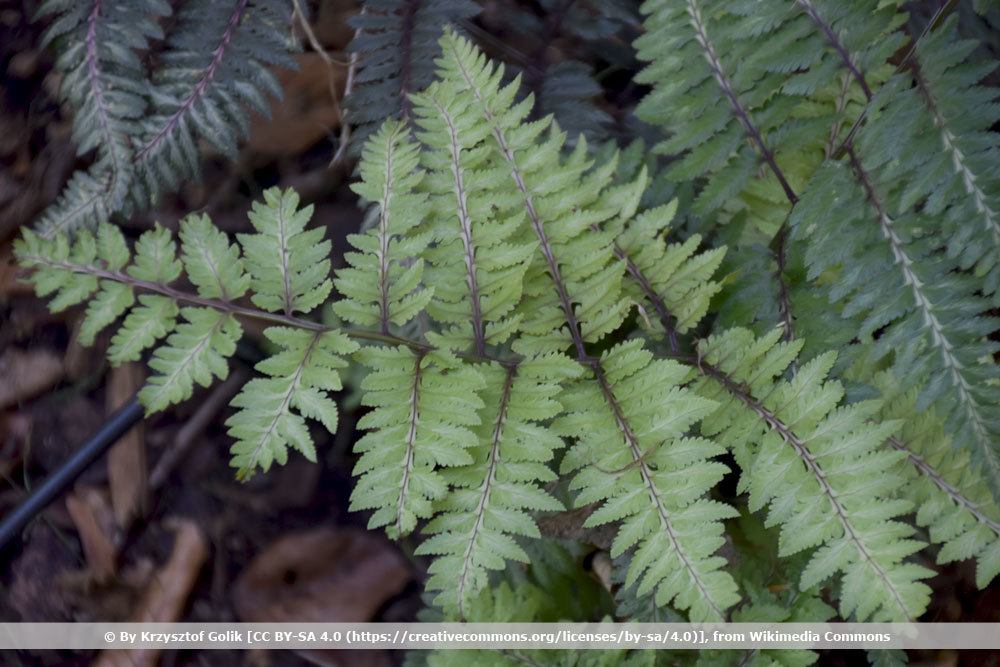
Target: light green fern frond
491,498
197,351
633,457
559,194
381,287
289,265
300,376
820,469
951,498
679,277
575,297
425,405
203,327
478,258
212,264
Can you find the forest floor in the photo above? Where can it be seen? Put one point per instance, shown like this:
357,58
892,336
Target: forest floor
160,528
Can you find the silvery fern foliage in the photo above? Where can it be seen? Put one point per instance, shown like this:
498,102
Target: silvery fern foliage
146,124
395,43
564,80
570,359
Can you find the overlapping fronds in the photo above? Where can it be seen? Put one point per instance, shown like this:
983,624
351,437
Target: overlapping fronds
493,496
146,125
681,279
819,468
395,43
951,497
576,297
202,327
772,596
863,223
381,286
533,327
773,64
425,405
478,259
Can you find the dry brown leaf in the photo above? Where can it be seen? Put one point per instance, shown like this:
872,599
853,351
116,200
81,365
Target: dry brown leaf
569,525
25,374
328,575
306,113
92,516
166,594
128,473
10,284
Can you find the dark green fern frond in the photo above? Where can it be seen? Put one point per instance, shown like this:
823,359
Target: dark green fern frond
893,281
567,40
216,62
526,602
396,43
99,44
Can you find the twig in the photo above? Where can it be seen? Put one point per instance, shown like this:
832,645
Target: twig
351,65
345,127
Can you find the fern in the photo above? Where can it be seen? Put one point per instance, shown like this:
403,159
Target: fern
817,469
951,497
967,191
501,484
424,406
536,327
772,595
146,125
560,212
396,42
892,280
197,348
526,602
389,177
655,481
199,94
99,42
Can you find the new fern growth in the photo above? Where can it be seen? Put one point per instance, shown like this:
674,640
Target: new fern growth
537,339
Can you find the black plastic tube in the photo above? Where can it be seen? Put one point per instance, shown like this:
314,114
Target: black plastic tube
56,483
